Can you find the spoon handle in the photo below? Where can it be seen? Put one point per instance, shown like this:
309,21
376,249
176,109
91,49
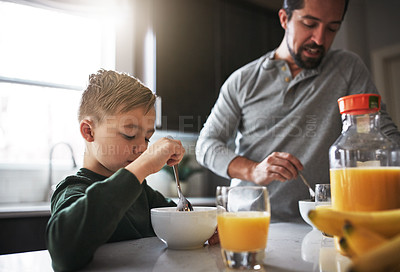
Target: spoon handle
312,193
178,185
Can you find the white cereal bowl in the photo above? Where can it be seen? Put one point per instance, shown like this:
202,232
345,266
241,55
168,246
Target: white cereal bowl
304,207
184,230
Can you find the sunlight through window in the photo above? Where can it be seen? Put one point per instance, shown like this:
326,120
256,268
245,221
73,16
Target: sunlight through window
46,58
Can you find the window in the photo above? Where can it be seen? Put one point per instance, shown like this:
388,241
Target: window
46,59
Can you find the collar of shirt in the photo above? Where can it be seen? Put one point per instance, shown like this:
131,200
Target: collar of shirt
271,63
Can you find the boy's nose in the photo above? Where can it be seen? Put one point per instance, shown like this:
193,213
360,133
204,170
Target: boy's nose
140,146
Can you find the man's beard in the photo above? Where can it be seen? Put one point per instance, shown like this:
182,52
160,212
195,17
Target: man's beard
307,63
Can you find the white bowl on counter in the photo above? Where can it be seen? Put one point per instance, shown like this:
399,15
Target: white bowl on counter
184,230
304,207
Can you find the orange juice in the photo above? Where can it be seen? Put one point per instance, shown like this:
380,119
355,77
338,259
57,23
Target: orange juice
365,189
243,231
320,207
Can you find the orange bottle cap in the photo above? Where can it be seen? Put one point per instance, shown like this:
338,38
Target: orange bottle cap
359,104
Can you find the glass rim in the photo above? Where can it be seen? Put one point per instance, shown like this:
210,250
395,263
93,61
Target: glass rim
244,187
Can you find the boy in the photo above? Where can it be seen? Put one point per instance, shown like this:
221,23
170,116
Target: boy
108,200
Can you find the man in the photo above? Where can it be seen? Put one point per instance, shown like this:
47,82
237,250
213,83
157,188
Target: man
283,108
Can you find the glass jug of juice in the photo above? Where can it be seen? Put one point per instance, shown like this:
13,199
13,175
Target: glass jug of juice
364,163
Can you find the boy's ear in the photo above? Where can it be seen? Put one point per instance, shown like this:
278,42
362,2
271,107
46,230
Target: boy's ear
87,132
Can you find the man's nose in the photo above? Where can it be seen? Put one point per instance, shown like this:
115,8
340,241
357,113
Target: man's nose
319,36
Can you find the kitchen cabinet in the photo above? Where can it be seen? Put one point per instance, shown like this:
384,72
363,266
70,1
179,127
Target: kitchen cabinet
198,45
186,57
20,234
248,32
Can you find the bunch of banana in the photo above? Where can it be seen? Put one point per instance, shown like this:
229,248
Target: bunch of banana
386,223
371,239
361,240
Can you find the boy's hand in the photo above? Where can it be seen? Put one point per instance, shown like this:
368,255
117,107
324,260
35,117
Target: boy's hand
164,151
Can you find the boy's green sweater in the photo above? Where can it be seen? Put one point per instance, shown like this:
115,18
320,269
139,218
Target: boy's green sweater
89,210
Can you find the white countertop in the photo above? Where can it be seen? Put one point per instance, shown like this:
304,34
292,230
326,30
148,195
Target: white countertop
291,247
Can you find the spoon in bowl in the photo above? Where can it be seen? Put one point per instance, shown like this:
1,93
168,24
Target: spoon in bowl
183,204
312,193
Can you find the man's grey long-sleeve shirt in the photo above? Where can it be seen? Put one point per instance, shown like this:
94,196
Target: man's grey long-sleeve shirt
267,110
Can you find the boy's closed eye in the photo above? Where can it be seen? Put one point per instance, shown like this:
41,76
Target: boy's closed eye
128,137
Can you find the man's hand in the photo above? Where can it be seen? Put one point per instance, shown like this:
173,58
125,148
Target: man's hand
280,166
277,166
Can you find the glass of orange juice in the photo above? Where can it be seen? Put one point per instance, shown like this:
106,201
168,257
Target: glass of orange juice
322,195
323,198
243,215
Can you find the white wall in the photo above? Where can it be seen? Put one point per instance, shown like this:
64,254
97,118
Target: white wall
383,23
124,48
29,183
369,25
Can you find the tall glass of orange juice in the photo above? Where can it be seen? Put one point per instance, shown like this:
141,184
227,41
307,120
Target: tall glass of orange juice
243,215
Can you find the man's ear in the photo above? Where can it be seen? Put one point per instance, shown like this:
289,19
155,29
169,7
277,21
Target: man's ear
283,18
87,132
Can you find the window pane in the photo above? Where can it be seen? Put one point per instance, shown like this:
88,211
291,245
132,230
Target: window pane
41,47
50,47
44,45
32,119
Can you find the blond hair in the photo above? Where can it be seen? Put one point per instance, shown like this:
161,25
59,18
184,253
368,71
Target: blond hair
111,92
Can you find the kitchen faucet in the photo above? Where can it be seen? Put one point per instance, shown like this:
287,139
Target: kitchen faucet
50,179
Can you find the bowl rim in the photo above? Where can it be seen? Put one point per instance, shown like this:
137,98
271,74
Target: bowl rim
306,200
172,210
